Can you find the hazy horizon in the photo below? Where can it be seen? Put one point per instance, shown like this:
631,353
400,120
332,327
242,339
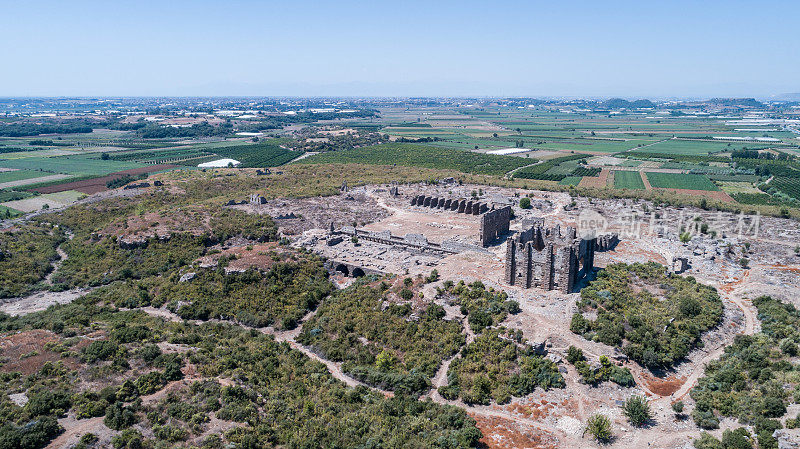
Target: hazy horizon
442,49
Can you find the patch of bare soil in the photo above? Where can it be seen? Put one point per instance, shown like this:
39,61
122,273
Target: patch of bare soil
25,352
600,181
662,387
499,433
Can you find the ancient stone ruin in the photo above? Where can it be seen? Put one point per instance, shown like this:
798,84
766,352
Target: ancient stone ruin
679,264
550,259
494,224
462,206
411,241
257,199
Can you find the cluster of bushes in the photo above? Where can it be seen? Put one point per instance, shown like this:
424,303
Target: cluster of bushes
497,366
96,261
156,131
653,317
380,342
282,398
105,261
483,308
26,256
755,379
279,297
607,371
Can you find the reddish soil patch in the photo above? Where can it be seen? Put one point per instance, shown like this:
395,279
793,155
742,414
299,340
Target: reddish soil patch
663,387
599,182
499,433
646,181
728,287
25,352
785,268
94,185
536,411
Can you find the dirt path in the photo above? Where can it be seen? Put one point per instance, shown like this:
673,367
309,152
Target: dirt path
440,379
41,301
76,428
62,257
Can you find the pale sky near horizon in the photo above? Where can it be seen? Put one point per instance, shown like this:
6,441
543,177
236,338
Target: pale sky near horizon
400,48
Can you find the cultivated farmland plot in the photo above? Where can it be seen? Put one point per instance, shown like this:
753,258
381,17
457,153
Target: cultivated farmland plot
624,179
680,181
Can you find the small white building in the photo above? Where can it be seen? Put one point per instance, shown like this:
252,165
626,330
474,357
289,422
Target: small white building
220,163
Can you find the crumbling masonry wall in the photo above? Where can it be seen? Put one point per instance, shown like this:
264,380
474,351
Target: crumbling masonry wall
551,259
495,224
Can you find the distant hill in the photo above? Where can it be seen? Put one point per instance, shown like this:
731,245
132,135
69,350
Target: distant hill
748,102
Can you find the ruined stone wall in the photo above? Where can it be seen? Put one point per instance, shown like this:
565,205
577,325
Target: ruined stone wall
462,206
551,258
494,224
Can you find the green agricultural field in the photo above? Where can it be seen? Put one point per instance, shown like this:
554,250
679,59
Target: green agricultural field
732,187
696,147
571,181
624,179
258,155
7,212
18,175
787,186
759,199
157,156
71,165
414,155
680,181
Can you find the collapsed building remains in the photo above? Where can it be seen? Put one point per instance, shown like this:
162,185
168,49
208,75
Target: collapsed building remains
495,224
550,259
410,241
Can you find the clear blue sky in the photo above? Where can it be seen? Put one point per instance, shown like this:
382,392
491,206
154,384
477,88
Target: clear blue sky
296,47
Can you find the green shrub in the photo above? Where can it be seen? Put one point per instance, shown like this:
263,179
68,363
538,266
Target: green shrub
637,410
599,427
34,434
128,439
119,417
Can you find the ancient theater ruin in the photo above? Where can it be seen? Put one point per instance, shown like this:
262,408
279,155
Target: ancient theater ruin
550,259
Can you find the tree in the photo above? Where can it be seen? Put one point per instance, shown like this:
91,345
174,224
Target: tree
677,407
637,410
525,203
599,427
